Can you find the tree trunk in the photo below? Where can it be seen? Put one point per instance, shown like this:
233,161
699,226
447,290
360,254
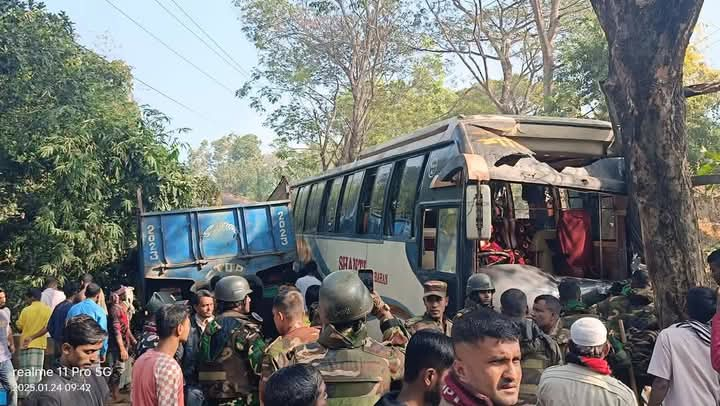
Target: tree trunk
548,73
647,42
546,35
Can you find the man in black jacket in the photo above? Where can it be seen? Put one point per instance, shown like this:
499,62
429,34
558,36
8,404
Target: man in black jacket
79,380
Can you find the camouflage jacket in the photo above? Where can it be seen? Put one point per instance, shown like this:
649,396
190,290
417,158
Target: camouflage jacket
426,322
469,306
275,355
634,307
539,351
618,357
230,356
357,370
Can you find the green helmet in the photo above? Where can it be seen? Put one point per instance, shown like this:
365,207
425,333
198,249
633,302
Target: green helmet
232,289
344,298
158,300
479,282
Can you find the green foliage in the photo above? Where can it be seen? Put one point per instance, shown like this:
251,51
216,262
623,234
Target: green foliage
75,149
320,66
583,65
403,106
237,165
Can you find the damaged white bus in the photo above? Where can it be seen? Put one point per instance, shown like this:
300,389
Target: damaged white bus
528,200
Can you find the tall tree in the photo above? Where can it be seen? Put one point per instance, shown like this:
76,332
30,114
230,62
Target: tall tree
74,151
547,15
406,104
311,52
647,43
237,165
487,38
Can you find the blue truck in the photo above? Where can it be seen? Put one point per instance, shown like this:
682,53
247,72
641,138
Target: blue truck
182,250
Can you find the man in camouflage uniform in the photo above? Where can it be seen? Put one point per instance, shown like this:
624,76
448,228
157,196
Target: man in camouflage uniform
539,351
436,301
634,306
357,369
479,292
288,314
231,347
573,309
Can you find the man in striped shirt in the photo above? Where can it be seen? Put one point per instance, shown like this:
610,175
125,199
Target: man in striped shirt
157,378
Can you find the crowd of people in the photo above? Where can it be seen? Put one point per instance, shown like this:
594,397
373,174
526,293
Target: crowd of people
218,351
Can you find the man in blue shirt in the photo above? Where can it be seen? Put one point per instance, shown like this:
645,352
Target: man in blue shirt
90,307
56,325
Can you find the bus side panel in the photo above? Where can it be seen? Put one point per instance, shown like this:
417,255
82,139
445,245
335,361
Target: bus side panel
394,276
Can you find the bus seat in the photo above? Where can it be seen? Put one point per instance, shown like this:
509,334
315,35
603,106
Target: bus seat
542,254
503,233
510,230
573,233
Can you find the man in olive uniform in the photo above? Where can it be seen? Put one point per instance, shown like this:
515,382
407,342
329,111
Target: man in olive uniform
634,305
357,369
436,301
573,309
479,292
289,316
539,351
231,347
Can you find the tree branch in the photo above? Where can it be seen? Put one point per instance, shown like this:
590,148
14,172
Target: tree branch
450,51
700,89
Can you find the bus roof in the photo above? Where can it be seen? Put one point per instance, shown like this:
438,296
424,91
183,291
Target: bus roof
558,142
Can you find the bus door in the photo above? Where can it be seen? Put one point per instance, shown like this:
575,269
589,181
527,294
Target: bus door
439,250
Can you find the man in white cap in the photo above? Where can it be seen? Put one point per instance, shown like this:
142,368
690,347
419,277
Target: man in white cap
585,379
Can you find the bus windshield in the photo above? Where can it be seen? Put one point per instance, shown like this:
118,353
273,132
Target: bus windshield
564,232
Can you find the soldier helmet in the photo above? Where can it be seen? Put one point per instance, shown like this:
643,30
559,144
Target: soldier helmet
158,300
232,289
344,298
480,282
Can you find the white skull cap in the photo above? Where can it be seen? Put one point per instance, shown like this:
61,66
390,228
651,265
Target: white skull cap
588,332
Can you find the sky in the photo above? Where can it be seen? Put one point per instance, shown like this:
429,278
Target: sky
194,86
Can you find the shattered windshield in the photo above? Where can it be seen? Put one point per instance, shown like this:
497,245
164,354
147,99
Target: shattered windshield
509,160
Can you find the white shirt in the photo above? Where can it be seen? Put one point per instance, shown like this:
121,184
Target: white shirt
4,322
202,323
684,360
305,282
52,297
575,385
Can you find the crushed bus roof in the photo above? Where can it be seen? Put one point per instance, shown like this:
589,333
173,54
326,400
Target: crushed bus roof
546,150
